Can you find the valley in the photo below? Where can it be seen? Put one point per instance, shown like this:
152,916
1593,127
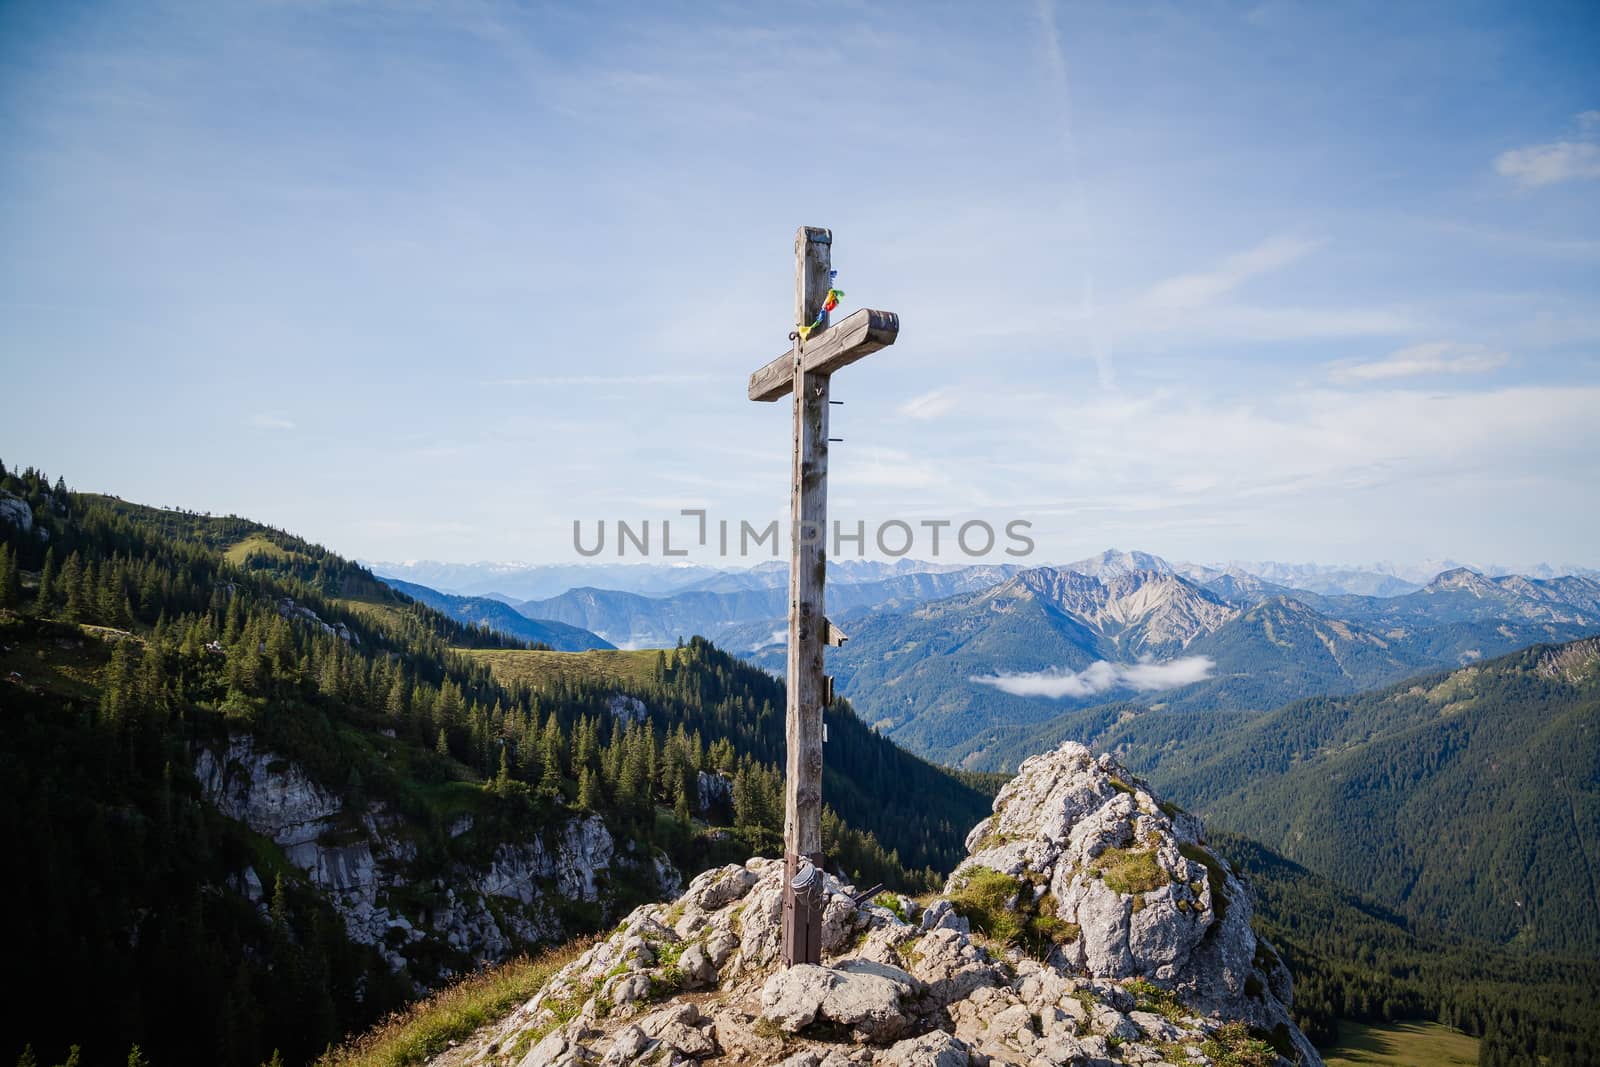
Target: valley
398,784
1402,1045
971,665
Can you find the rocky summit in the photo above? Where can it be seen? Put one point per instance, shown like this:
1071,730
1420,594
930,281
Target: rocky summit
1089,925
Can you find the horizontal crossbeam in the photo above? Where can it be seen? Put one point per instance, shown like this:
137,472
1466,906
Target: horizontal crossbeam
858,334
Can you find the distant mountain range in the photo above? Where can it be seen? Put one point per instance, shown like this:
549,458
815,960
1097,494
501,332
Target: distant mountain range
497,615
648,621
1306,577
978,665
739,614
956,678
517,582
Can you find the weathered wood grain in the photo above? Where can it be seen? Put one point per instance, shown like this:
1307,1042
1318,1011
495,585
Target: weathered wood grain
858,334
804,373
808,510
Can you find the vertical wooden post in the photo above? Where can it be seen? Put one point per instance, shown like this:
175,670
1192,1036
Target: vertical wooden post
808,511
804,371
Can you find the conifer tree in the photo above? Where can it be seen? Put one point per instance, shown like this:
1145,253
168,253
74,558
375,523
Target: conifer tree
45,604
107,595
398,703
652,759
150,684
743,807
10,579
611,758
673,769
448,707
116,693
234,620
527,741
550,759
552,743
280,648
633,783
681,815
583,743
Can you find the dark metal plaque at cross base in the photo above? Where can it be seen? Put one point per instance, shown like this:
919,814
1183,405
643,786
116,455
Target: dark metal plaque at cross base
803,901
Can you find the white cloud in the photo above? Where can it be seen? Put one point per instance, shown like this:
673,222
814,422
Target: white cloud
263,421
1546,164
1434,357
1205,287
1558,161
1205,304
929,405
776,637
1102,676
1303,460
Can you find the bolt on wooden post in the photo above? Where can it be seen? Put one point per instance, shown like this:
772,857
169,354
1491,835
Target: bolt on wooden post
804,373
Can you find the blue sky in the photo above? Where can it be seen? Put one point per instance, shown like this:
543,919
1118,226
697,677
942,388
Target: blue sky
424,280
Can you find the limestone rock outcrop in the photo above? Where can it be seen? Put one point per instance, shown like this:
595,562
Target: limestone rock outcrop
1091,848
1073,842
363,861
15,511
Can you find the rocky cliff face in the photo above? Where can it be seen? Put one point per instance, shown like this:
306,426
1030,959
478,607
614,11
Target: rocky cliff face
363,861
1089,846
15,511
1125,941
1138,611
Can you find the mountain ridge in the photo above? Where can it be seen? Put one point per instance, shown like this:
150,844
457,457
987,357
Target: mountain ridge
942,672
517,581
502,617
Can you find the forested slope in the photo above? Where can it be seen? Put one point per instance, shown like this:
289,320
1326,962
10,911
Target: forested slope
1467,801
1354,961
134,640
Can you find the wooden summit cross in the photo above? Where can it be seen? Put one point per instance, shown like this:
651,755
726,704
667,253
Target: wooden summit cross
804,371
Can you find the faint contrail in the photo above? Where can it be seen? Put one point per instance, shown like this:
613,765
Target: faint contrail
1057,63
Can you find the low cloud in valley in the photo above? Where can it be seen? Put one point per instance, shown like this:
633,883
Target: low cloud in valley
1102,676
